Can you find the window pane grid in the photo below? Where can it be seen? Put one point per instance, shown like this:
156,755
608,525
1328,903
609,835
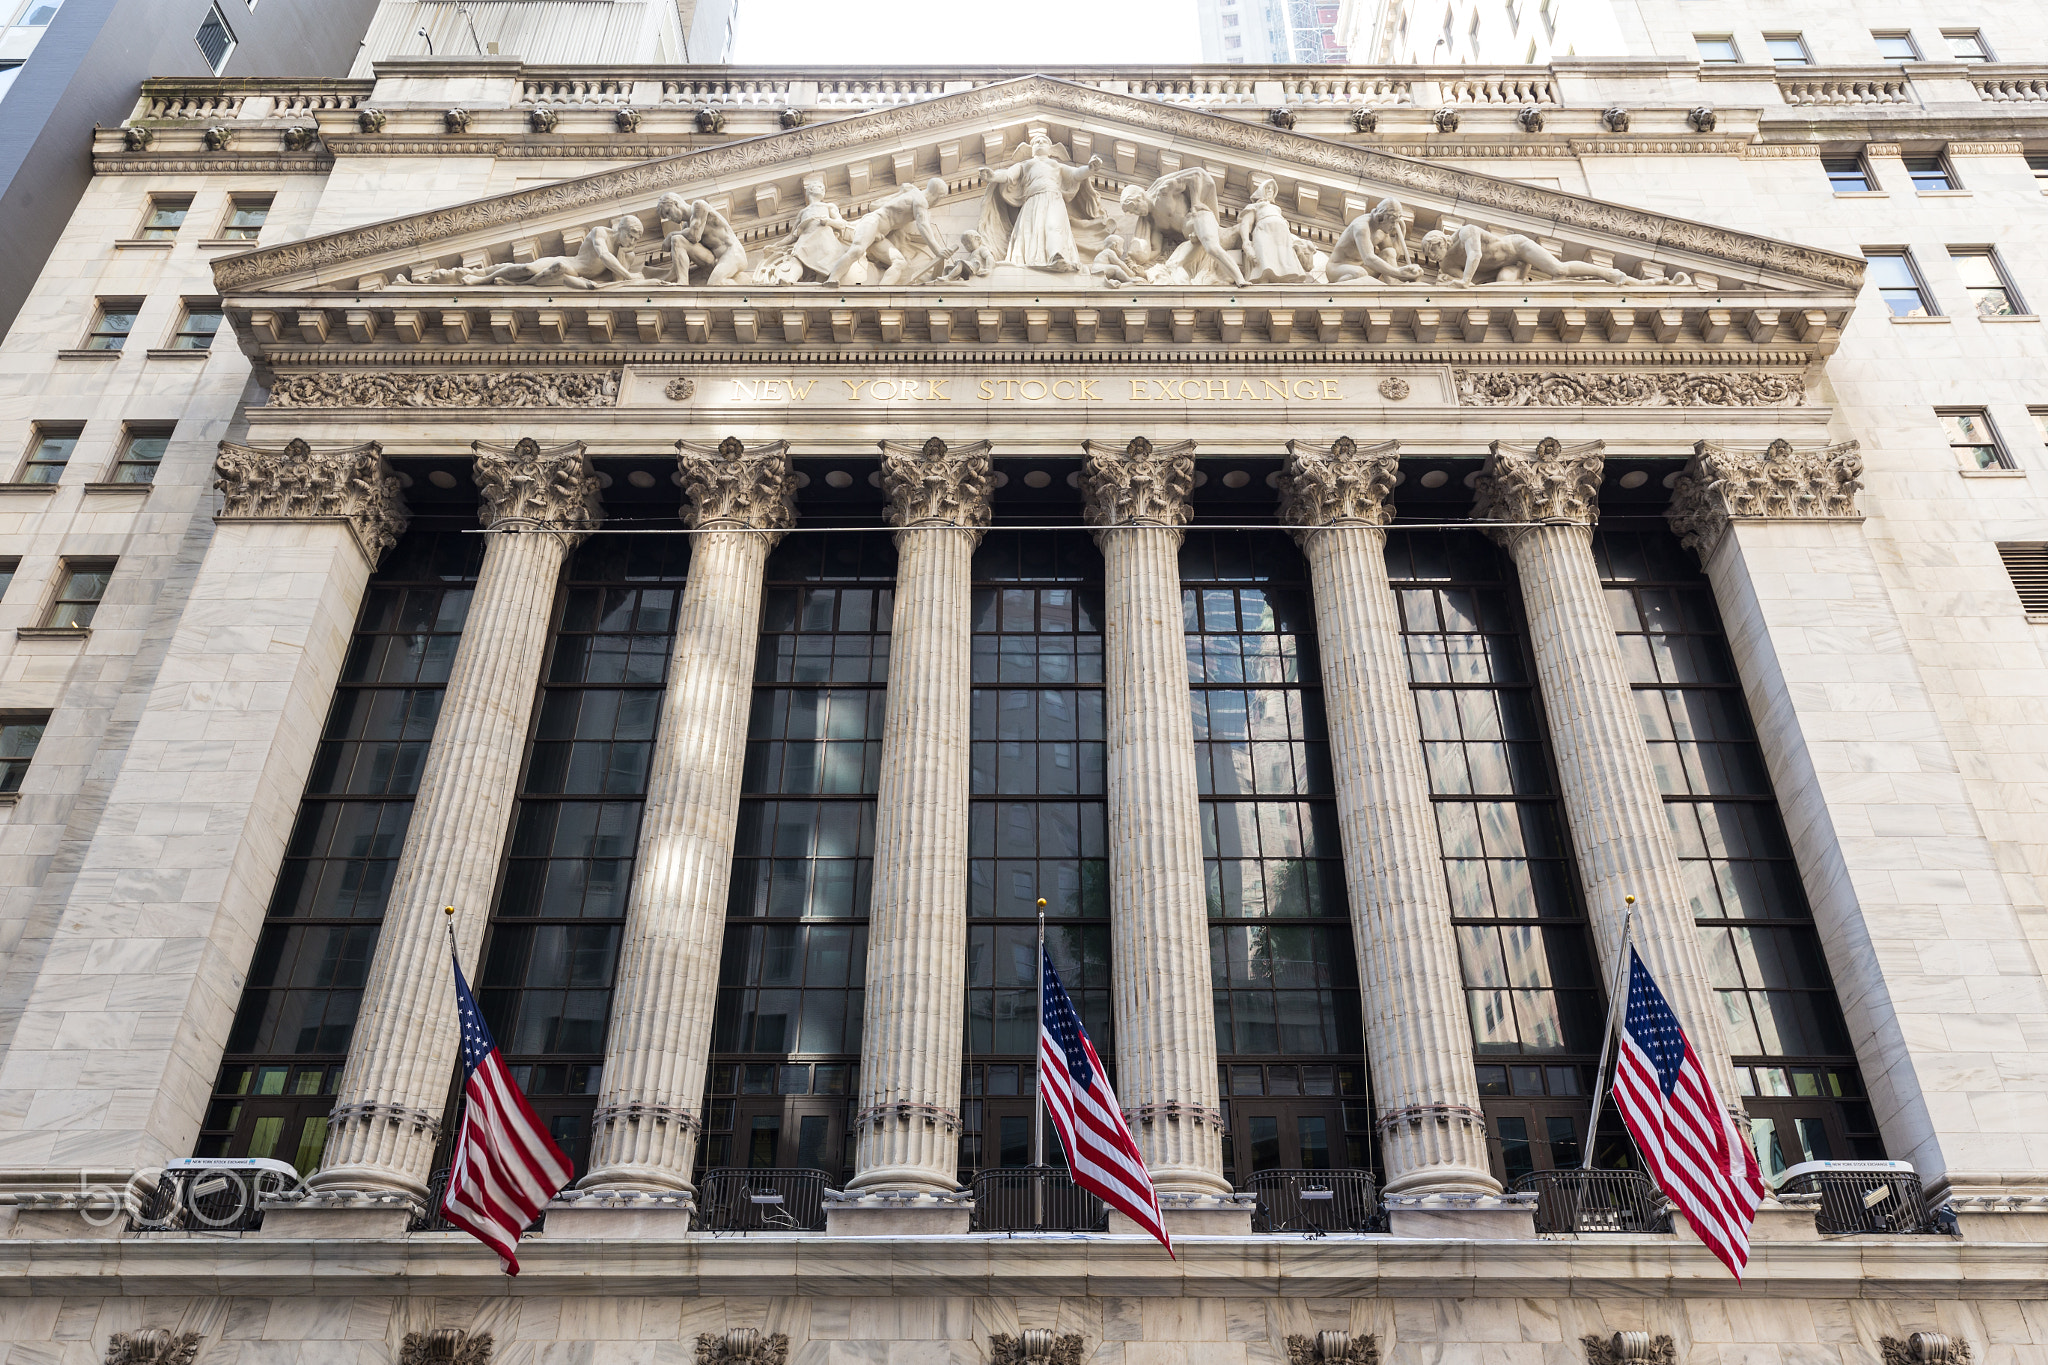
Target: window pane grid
18,741
142,453
1990,293
111,326
197,329
47,456
1848,174
79,590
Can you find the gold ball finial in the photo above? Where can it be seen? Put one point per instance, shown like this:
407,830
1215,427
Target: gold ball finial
1041,902
449,910
1626,900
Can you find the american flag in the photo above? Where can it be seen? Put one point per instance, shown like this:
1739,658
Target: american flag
1688,1140
1101,1156
506,1167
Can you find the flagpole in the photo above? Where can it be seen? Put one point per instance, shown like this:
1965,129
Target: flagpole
1615,996
1038,1087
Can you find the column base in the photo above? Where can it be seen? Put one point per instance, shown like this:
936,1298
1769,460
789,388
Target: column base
1469,1217
1195,1215
898,1213
340,1215
612,1214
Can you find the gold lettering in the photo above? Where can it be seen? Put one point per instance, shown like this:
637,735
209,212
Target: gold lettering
1244,391
1310,384
853,388
1024,390
986,391
746,390
768,390
1088,393
910,393
1273,390
1066,397
1138,394
938,393
1201,391
1219,390
1330,394
801,394
881,397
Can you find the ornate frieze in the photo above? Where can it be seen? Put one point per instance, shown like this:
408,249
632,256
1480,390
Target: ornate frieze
1924,1348
934,483
152,1346
1724,483
295,482
1036,1346
742,1346
445,1346
1138,483
1338,484
733,484
1629,1348
525,482
385,389
1574,389
1548,481
1334,1347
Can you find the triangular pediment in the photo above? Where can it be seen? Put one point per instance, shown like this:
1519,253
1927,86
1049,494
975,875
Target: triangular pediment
1319,186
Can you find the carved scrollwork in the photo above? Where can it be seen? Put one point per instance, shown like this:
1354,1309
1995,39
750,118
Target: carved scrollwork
737,485
445,1346
933,483
1543,389
1925,1348
1549,481
1035,1346
1136,483
742,1346
550,486
1338,484
1721,483
1333,1348
385,389
296,483
152,1346
1629,1348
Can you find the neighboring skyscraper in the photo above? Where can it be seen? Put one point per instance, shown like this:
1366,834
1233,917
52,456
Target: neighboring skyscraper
1262,31
557,31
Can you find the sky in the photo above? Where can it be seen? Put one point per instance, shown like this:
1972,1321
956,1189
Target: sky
965,33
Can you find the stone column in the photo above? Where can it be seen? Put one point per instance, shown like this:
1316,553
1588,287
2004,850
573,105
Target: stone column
114,1056
742,498
1418,1035
539,504
1548,493
1137,498
1903,881
909,1120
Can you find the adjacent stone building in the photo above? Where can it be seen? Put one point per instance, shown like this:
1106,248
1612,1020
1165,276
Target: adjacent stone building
745,539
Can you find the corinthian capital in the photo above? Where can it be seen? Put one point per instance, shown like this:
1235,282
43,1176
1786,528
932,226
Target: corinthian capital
736,485
526,483
295,482
1549,481
1138,484
1338,485
1723,483
936,485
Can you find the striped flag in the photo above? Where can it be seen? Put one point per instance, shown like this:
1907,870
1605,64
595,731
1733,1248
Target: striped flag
506,1167
1101,1156
1688,1140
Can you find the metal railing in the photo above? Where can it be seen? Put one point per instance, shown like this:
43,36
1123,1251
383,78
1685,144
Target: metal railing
431,1219
1596,1201
1035,1199
1342,1199
221,1199
773,1199
1864,1201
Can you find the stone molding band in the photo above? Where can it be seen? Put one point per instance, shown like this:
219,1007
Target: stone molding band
1173,1111
371,1111
651,1113
905,1111
1416,1114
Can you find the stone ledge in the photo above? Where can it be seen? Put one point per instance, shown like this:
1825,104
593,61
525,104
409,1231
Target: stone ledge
53,632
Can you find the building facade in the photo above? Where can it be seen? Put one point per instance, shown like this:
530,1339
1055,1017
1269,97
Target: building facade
745,539
1263,31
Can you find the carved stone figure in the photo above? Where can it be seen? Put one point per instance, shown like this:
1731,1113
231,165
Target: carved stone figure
137,139
1721,484
296,482
1445,119
445,1346
816,238
969,259
456,120
1272,253
1064,1348
543,120
597,257
1282,117
1703,119
1181,211
1356,254
301,138
551,486
1530,118
702,236
626,120
1112,266
1365,120
1471,249
882,234
152,1346
219,138
1028,213
791,118
1630,1348
370,120
1549,481
711,119
1615,118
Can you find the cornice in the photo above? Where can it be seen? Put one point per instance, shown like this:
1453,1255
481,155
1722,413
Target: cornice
203,163
411,236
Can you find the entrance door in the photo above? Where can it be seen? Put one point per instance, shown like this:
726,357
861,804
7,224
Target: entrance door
1272,1135
807,1132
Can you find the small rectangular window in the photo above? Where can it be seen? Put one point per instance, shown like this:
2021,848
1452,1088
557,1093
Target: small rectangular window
1787,49
246,215
216,40
142,451
197,328
1716,48
112,323
1973,439
2040,416
19,736
1991,292
1931,173
166,215
79,590
49,450
2039,166
7,568
1848,174
2028,567
1898,283
1967,44
1895,47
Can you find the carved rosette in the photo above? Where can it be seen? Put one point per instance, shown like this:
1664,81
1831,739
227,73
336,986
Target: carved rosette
152,1346
526,484
1138,484
1723,484
935,484
736,485
1549,481
445,1346
295,482
1338,485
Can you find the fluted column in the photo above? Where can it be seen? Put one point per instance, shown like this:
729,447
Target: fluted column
645,1133
540,503
1620,833
1418,1036
909,1120
1137,498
